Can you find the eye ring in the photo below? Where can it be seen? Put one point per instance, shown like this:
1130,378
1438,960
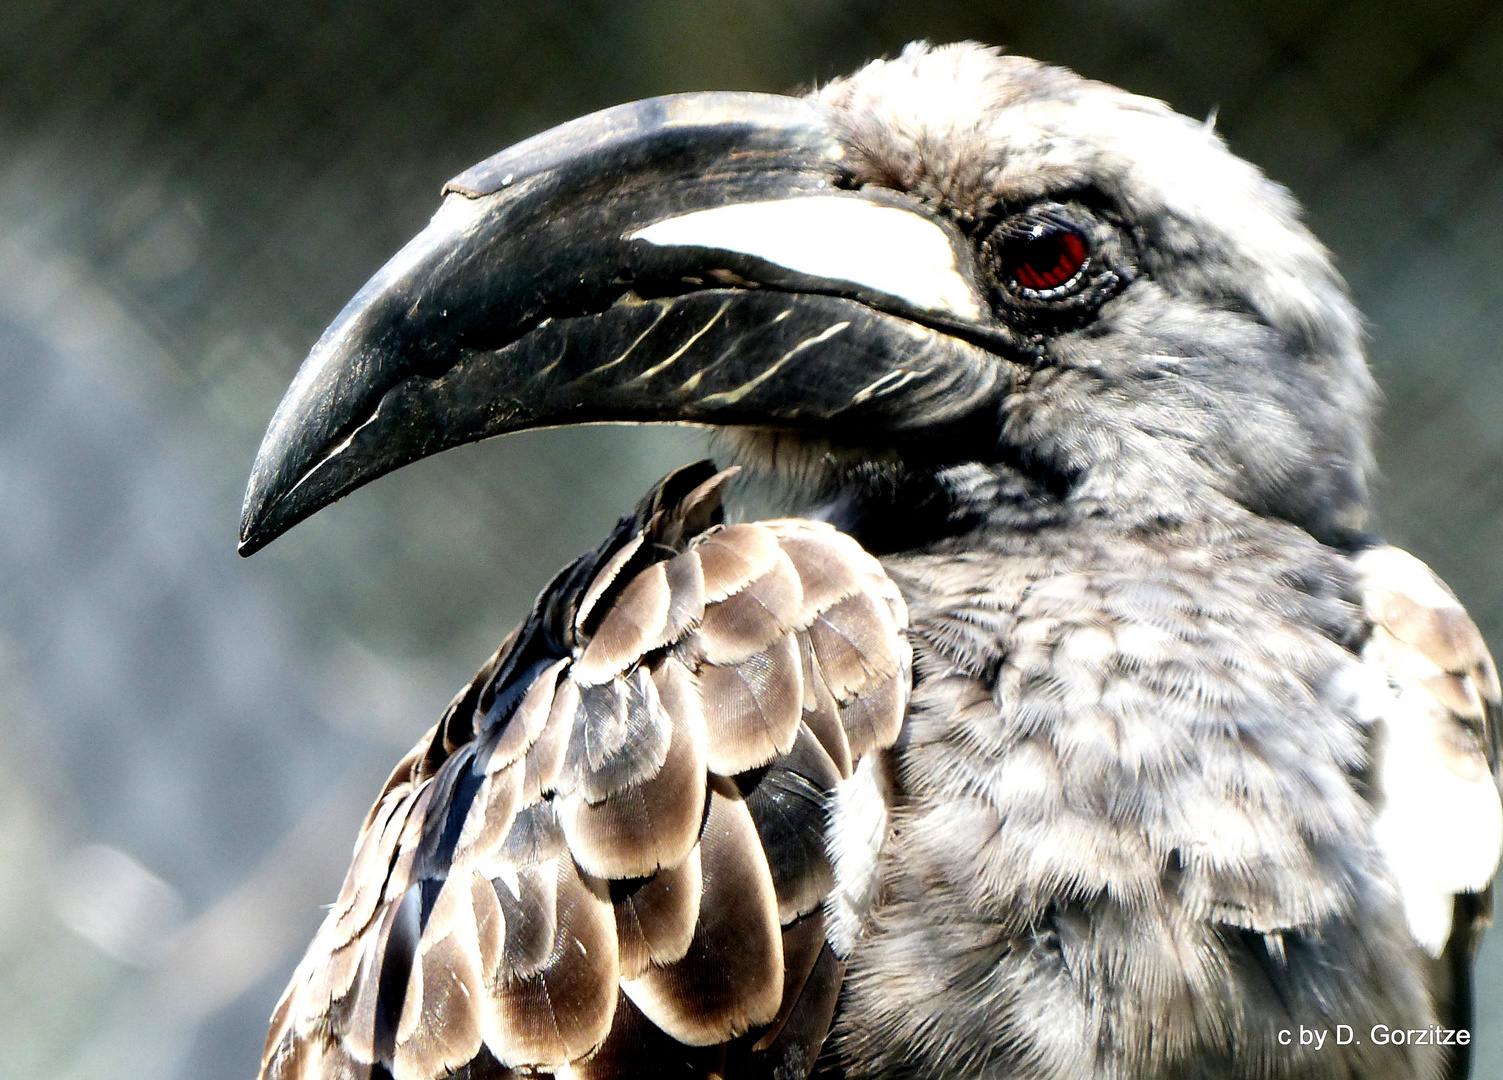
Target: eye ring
1044,261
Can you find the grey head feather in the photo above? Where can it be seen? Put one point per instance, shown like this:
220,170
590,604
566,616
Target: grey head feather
1225,363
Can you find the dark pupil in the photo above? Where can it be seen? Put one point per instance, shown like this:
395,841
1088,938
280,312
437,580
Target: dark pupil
1049,261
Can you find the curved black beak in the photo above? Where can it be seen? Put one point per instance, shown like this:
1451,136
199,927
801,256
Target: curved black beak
686,259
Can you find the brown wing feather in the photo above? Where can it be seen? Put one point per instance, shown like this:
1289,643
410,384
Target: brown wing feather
446,982
609,853
822,711
633,831
752,708
733,557
635,624
564,1012
731,977
656,916
1440,820
754,617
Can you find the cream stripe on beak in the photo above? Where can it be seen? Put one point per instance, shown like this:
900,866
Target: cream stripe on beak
883,248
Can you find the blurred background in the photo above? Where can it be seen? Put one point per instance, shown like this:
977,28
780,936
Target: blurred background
190,191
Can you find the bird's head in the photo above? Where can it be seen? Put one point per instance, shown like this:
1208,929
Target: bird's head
952,283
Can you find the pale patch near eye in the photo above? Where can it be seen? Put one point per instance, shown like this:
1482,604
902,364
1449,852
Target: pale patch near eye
883,248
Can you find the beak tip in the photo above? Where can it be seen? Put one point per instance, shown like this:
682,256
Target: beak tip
260,521
255,534
253,537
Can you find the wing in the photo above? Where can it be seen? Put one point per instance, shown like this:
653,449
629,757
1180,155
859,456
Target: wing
1436,766
608,857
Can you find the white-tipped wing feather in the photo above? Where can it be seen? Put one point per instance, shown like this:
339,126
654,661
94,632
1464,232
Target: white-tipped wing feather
1440,820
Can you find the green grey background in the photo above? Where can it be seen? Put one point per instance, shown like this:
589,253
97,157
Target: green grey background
189,191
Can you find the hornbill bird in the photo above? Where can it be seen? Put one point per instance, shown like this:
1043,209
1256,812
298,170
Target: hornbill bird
1082,729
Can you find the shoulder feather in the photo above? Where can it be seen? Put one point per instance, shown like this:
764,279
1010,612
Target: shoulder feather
610,856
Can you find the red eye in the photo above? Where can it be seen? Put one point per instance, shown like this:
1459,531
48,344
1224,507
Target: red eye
1042,263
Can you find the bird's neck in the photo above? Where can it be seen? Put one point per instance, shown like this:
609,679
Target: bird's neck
911,510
